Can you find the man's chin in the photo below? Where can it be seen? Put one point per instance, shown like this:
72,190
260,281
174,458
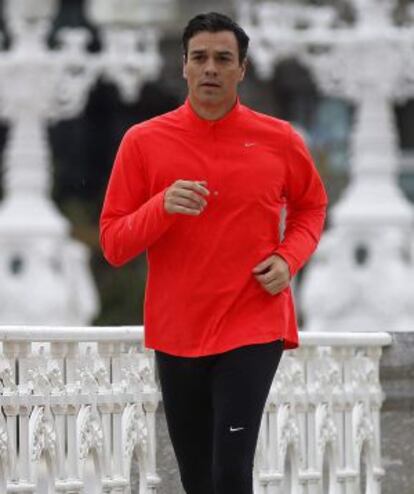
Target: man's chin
209,98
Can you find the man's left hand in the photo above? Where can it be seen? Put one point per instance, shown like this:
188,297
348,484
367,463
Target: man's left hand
273,274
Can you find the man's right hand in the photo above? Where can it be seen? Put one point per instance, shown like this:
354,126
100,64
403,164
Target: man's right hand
186,197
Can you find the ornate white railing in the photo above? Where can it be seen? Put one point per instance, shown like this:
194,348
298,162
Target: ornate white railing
78,403
321,427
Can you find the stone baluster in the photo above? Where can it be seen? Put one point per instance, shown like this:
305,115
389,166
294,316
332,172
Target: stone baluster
10,406
267,456
106,408
3,454
118,466
25,408
72,390
119,469
151,398
377,398
58,402
302,407
350,474
315,397
339,407
150,406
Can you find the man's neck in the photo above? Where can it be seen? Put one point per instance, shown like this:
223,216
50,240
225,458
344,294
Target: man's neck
210,112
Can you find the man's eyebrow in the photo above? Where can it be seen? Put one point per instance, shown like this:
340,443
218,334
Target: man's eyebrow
219,52
226,52
197,52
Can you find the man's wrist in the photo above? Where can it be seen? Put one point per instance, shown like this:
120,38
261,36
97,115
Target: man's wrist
289,267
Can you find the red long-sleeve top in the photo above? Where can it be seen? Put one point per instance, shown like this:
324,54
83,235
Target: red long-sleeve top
201,295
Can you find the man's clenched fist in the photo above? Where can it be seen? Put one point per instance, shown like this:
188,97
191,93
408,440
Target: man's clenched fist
186,197
273,274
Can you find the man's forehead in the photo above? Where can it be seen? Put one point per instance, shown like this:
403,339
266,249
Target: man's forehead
222,41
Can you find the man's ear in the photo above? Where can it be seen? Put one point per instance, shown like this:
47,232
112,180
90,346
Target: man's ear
184,66
243,69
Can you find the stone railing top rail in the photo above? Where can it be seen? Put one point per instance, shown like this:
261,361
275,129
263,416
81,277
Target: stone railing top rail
71,333
345,339
134,333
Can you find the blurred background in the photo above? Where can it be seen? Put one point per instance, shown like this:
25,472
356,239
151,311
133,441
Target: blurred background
83,147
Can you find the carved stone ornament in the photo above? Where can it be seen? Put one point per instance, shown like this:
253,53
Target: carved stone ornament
326,378
87,380
102,377
7,380
363,429
288,433
4,447
90,432
44,376
55,377
134,430
38,382
42,434
137,373
290,379
364,373
326,430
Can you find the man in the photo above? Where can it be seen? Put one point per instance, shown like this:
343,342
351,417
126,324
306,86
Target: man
201,189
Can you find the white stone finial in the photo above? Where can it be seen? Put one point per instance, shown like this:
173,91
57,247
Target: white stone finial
373,14
129,13
25,18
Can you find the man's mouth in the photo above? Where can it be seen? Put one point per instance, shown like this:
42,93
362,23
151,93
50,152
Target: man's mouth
210,84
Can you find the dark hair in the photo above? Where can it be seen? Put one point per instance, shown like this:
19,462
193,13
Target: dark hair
214,22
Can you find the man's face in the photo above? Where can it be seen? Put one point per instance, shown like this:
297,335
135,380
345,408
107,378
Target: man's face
212,68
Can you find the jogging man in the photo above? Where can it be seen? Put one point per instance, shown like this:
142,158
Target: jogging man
201,189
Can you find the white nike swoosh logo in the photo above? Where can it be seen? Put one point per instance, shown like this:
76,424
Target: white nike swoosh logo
249,144
234,429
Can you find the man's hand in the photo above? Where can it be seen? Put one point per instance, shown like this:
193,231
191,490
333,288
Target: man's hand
186,197
273,274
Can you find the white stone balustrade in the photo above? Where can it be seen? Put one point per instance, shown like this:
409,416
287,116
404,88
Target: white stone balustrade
78,403
321,427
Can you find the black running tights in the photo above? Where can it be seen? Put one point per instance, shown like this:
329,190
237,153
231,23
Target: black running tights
213,406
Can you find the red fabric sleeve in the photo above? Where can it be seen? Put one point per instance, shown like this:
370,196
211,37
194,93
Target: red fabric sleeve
131,220
306,202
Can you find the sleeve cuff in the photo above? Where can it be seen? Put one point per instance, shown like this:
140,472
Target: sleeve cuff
291,262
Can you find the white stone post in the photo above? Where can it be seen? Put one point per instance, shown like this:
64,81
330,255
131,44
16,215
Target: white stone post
72,389
46,277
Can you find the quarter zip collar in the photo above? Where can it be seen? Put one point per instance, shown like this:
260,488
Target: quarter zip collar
201,124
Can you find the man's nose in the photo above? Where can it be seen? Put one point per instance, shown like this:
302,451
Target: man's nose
210,67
